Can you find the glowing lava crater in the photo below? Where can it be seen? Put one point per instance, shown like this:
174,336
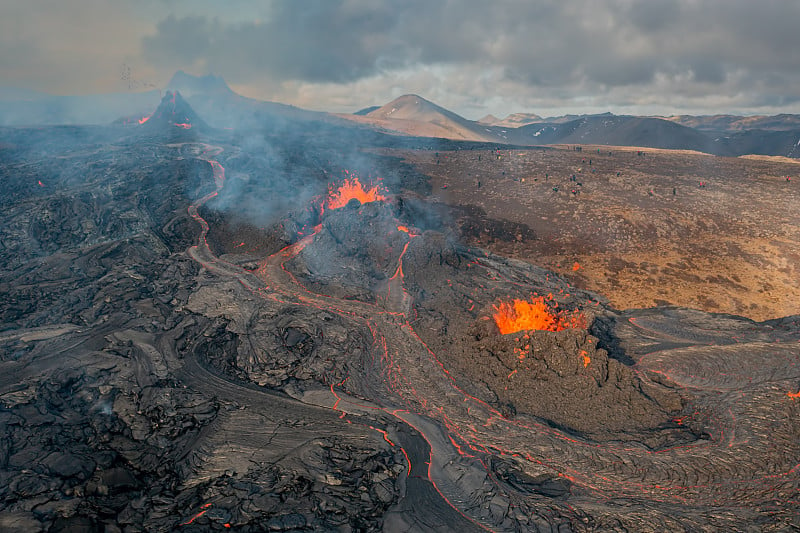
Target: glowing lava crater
537,314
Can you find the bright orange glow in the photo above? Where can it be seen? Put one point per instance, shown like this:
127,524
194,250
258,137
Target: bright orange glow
183,125
352,188
522,315
198,515
402,228
586,358
144,119
793,395
576,267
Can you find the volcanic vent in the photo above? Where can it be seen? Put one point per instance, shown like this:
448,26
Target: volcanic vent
174,112
532,358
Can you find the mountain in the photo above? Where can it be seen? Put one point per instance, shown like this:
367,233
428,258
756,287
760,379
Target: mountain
489,120
174,112
212,98
411,114
516,120
619,131
414,107
563,119
762,142
731,123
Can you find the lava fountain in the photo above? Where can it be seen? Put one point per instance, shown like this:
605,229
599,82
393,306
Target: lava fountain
519,315
350,189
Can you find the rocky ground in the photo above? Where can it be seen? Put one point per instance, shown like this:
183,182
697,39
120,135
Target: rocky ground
645,227
173,356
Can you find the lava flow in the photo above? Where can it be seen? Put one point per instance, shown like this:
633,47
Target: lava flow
521,315
403,370
352,189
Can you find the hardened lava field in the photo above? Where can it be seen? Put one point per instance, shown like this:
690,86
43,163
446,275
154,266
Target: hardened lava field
178,357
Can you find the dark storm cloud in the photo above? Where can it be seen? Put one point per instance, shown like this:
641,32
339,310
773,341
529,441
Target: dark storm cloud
315,41
336,40
597,46
182,41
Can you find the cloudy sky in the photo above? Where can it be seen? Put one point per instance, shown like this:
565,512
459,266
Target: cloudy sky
471,56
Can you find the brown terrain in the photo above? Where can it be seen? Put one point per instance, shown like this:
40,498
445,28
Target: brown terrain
644,227
413,115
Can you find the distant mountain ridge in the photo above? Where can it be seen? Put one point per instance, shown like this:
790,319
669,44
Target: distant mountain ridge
721,135
211,98
514,120
732,123
367,110
615,130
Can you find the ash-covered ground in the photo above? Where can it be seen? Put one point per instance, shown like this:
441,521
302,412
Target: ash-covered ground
192,339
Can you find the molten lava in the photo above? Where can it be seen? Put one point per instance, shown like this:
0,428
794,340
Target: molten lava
522,315
352,188
183,125
144,119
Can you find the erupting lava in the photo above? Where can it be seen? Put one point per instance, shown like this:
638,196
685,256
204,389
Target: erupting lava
144,119
352,188
524,315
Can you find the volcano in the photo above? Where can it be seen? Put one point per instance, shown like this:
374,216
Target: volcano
173,112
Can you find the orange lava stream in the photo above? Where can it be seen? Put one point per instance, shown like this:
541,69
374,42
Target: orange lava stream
144,119
352,188
793,395
205,509
522,315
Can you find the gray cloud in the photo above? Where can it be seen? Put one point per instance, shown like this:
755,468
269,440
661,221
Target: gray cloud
320,41
602,44
714,55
